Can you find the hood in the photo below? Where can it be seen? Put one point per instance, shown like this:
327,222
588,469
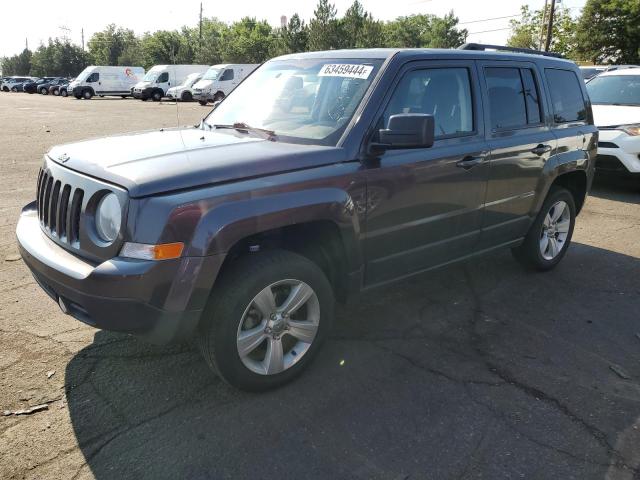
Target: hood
160,161
202,84
142,84
614,115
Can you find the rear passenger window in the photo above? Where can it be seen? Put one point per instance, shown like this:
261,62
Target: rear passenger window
444,93
513,98
566,96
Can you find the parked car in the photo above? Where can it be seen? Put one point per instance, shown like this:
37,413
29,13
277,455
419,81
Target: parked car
183,91
219,81
105,81
589,72
10,82
616,110
44,87
243,231
33,86
61,88
15,84
160,78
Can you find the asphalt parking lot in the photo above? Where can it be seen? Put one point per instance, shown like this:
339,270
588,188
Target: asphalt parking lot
481,370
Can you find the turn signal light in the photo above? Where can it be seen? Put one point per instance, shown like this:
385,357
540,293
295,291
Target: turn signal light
143,251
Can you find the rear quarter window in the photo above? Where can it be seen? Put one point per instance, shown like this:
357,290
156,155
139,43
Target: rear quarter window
566,96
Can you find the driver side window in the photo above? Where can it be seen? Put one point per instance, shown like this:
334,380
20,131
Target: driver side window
444,93
163,78
93,77
227,75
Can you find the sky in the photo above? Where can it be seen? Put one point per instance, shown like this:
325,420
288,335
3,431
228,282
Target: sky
43,19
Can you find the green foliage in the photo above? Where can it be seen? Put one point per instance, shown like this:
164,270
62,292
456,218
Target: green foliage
17,64
58,58
609,31
424,31
210,51
106,47
324,28
247,41
292,38
526,31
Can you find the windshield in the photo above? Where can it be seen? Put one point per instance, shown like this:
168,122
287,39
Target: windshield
190,80
84,74
302,101
151,76
615,90
212,74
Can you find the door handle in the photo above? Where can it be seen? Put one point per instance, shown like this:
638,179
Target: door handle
541,149
470,161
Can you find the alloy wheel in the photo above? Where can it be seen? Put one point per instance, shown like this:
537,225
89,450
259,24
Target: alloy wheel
555,230
278,327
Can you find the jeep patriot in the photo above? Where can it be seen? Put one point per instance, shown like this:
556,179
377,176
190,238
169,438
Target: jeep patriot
323,174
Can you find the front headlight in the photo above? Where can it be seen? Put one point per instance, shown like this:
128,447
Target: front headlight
633,130
108,217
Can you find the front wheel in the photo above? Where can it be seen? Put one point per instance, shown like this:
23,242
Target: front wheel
156,96
64,93
550,234
87,94
266,320
44,91
186,96
202,102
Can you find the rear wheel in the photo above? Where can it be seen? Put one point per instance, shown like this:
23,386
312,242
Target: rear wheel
266,320
550,234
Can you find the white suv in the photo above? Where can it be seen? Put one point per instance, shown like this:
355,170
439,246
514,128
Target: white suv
615,96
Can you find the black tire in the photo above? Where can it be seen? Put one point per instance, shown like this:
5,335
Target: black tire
186,96
234,292
123,96
218,97
64,93
44,91
87,94
78,97
202,102
156,96
14,89
56,92
529,252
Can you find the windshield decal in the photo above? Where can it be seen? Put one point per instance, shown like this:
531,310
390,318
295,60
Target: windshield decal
345,70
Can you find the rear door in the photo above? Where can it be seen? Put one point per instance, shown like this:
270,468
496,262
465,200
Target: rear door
521,142
424,205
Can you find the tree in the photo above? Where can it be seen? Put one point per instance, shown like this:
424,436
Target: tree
167,47
58,58
247,41
426,31
527,30
106,47
293,37
358,29
324,27
17,64
210,52
609,31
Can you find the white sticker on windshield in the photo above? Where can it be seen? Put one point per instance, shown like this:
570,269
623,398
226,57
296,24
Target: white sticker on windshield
345,70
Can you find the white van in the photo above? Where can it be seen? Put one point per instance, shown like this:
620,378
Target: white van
220,80
105,81
184,92
160,78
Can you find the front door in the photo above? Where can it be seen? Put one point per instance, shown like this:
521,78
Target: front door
424,205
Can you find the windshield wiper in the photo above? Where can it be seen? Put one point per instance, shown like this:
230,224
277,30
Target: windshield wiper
244,128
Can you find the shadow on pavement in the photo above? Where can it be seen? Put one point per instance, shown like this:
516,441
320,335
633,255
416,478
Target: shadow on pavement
481,370
621,188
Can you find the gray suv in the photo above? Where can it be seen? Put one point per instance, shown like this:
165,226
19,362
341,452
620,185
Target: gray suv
242,232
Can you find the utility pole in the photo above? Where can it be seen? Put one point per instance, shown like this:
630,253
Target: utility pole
547,42
200,38
26,43
82,35
543,24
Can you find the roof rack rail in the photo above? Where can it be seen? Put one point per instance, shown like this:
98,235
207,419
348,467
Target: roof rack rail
482,46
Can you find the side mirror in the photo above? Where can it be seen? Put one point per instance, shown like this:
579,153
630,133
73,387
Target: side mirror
408,130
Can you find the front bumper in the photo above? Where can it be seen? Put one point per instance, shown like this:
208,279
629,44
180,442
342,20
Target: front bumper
615,144
161,301
142,93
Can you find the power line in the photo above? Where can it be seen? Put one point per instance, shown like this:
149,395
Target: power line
488,19
487,31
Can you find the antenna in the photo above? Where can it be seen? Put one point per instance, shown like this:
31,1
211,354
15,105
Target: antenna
65,32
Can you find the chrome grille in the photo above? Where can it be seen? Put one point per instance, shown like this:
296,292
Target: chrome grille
59,206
